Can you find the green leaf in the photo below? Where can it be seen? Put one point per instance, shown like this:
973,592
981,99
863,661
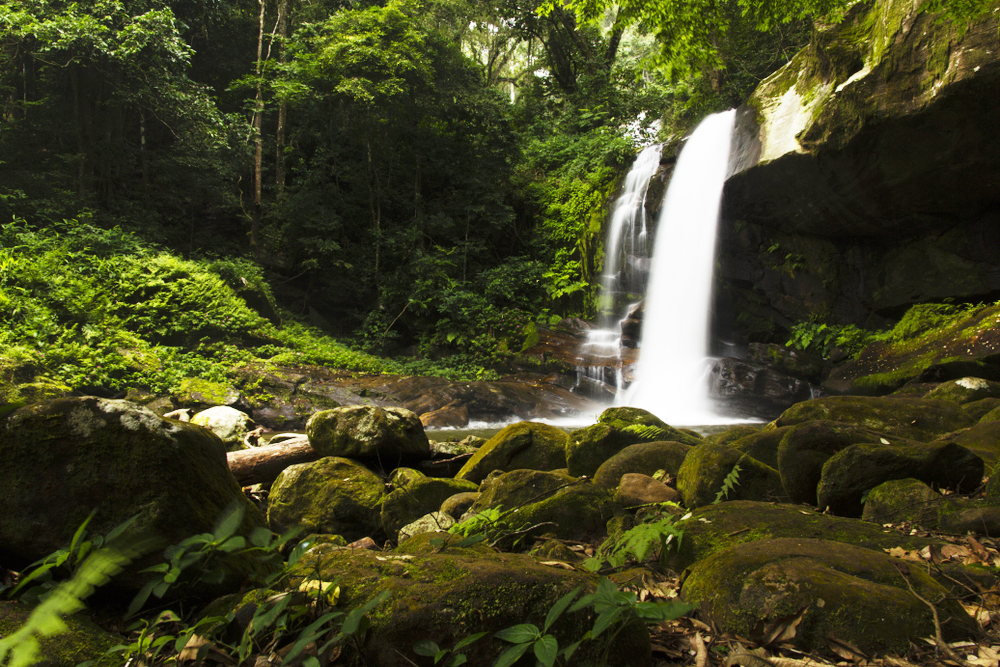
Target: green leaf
546,650
519,634
511,655
260,536
470,639
456,660
558,608
426,647
605,619
229,523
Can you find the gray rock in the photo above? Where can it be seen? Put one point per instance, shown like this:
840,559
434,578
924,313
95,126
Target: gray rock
389,435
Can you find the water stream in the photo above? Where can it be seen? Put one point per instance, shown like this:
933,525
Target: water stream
670,379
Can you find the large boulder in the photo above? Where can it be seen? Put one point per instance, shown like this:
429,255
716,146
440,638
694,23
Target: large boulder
983,439
821,593
386,435
854,471
911,500
67,458
911,418
447,595
82,641
332,495
646,458
617,428
704,473
525,445
753,389
416,497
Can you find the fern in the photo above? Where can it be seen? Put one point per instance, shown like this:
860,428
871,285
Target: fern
646,431
728,484
637,543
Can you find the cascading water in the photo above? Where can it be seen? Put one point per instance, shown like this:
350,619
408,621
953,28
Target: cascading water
670,380
625,270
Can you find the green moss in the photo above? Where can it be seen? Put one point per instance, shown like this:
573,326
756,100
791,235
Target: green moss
82,641
196,391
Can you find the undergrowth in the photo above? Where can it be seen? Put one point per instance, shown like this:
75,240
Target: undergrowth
98,311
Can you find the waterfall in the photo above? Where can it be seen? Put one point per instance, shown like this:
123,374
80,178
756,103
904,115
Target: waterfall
671,377
626,250
626,261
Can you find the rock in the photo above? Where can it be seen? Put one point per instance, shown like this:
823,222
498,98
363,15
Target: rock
418,497
819,592
852,472
795,363
982,438
525,445
804,448
332,495
733,433
520,487
446,596
432,522
901,500
978,410
636,489
228,423
761,444
631,326
457,505
754,390
911,418
646,458
965,390
713,528
199,393
859,170
453,415
81,641
704,471
66,458
911,500
386,435
617,428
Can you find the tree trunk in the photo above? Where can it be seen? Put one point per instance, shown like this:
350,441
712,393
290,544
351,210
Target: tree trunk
262,465
258,158
279,134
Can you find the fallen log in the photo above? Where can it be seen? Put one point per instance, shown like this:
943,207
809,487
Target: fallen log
262,465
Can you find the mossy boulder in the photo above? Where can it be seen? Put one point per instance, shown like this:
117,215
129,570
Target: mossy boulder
230,424
617,428
525,445
432,522
199,393
714,528
367,432
835,591
965,390
978,410
646,458
507,490
450,595
761,445
804,448
577,512
457,505
66,458
913,501
331,495
636,490
82,640
417,497
621,418
912,418
704,471
854,471
982,438
733,433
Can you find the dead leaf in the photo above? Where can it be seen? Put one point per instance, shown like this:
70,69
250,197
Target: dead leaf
903,554
206,648
557,563
845,650
700,650
954,552
779,631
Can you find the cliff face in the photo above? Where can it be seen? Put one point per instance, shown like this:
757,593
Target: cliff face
868,174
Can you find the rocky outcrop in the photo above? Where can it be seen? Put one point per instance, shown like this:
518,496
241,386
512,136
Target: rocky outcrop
869,177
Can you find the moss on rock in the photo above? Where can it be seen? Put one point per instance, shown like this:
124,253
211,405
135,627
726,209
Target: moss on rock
525,445
82,640
837,591
416,498
331,495
388,435
646,458
912,418
703,473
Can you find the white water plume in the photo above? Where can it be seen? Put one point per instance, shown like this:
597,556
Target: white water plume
671,377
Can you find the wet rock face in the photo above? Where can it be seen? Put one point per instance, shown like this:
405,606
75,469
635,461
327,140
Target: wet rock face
754,390
870,171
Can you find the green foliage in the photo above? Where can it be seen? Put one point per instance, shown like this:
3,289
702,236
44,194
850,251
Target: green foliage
545,646
453,658
645,431
730,482
637,544
820,338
